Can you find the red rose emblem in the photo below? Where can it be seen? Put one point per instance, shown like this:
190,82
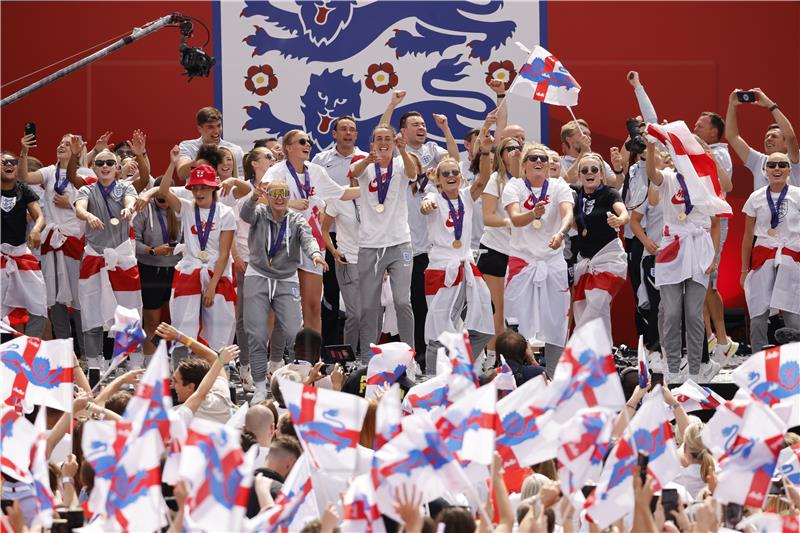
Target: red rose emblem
503,71
260,80
381,78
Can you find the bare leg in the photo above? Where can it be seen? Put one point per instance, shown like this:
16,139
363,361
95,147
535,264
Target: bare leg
311,298
496,288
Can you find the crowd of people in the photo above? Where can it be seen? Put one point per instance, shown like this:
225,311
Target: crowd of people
509,240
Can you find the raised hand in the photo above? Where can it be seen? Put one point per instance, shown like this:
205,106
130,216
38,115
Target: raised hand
229,353
617,161
440,120
633,79
407,507
397,97
167,332
498,86
28,141
174,155
400,141
75,144
102,142
138,142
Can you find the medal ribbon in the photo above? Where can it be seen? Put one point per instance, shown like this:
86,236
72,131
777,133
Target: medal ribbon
164,234
105,192
383,186
277,242
458,217
775,207
304,189
581,214
60,186
686,198
204,231
422,182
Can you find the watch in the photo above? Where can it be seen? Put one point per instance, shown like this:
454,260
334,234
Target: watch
152,251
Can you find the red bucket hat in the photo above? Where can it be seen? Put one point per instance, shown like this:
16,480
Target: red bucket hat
203,175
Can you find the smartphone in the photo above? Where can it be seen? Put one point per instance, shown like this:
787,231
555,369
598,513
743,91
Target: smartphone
30,129
732,514
338,353
657,379
776,487
588,489
669,501
746,97
644,458
94,376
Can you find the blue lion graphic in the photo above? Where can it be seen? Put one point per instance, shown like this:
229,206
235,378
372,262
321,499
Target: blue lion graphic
223,476
124,489
333,94
434,454
387,376
328,430
317,28
536,73
39,373
429,401
772,392
653,445
622,470
518,429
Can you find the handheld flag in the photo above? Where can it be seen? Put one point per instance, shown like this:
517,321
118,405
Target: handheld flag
387,416
644,369
694,397
468,425
388,363
17,436
505,379
360,512
150,405
582,445
41,473
295,490
527,433
772,376
128,332
37,372
544,79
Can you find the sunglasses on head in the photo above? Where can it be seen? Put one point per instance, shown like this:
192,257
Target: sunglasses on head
537,157
448,173
304,142
278,193
105,162
777,164
10,162
512,148
589,170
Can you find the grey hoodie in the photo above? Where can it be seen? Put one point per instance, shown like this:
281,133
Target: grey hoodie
298,235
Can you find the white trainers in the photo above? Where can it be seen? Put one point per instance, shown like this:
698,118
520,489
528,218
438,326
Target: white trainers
707,372
656,363
259,395
246,378
490,361
674,378
722,352
712,342
273,366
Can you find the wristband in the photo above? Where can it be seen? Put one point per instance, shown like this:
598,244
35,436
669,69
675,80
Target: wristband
499,96
617,171
773,107
219,358
189,342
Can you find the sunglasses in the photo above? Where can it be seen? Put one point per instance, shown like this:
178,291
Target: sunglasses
278,193
535,158
770,164
105,162
589,170
304,142
511,149
448,173
161,200
10,162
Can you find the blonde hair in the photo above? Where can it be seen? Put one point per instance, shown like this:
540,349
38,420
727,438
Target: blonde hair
696,451
82,157
447,159
249,157
235,167
499,164
570,128
289,138
278,183
383,126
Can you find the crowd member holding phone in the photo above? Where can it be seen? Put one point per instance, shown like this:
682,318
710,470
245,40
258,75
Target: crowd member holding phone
277,239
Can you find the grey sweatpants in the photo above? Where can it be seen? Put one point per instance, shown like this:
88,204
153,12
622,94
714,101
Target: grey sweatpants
477,340
372,263
93,340
682,301
35,326
347,276
759,327
241,333
59,316
284,298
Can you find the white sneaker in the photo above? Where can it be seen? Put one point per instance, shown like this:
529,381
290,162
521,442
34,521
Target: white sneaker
258,396
674,378
273,366
246,378
712,342
707,372
656,363
723,352
95,362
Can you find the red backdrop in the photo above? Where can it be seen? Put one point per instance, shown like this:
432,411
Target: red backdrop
690,56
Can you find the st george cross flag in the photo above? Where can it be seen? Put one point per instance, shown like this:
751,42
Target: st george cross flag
613,497
17,435
770,523
463,379
468,425
295,490
127,330
127,482
218,476
772,376
694,397
505,379
544,79
150,405
698,169
41,473
328,424
720,433
37,372
387,416
527,433
360,512
586,375
388,363
651,433
582,445
789,464
644,369
428,395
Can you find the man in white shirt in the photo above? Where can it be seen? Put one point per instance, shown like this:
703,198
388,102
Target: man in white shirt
209,124
576,139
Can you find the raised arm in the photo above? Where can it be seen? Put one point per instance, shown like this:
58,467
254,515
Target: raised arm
397,97
238,187
75,146
248,211
499,89
138,148
792,147
358,168
452,146
645,105
32,178
35,235
485,141
226,355
166,180
408,163
99,146
653,173
738,144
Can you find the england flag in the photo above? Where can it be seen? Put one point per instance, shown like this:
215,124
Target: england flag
41,473
149,407
526,433
468,425
651,433
428,395
37,372
387,416
389,362
789,464
772,376
360,512
17,435
544,79
694,397
582,446
294,493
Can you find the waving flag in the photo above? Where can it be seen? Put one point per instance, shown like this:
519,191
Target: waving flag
544,79
17,436
41,473
127,482
218,476
150,405
388,364
37,372
463,379
789,464
428,395
328,424
387,416
295,490
468,425
582,446
613,497
694,397
644,369
720,434
527,433
360,512
505,379
770,523
651,433
772,376
692,162
128,332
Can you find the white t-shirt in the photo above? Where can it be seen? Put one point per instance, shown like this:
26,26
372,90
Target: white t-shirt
477,213
420,241
190,147
497,239
430,153
390,228
673,205
636,193
442,231
788,216
224,220
64,218
755,163
528,242
654,219
347,215
242,228
337,165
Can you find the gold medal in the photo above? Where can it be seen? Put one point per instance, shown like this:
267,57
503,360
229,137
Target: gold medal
379,208
203,255
537,223
681,216
585,232
114,221
772,232
457,244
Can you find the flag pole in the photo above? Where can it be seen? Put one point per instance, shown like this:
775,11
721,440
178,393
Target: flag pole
578,126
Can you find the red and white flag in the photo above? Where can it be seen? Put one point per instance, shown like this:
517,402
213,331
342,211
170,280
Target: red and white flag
464,378
544,79
505,379
17,436
41,473
360,512
643,367
613,497
328,424
428,395
770,523
698,169
651,433
527,433
789,464
387,416
149,407
582,446
694,397
772,376
37,372
468,426
388,363
294,493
